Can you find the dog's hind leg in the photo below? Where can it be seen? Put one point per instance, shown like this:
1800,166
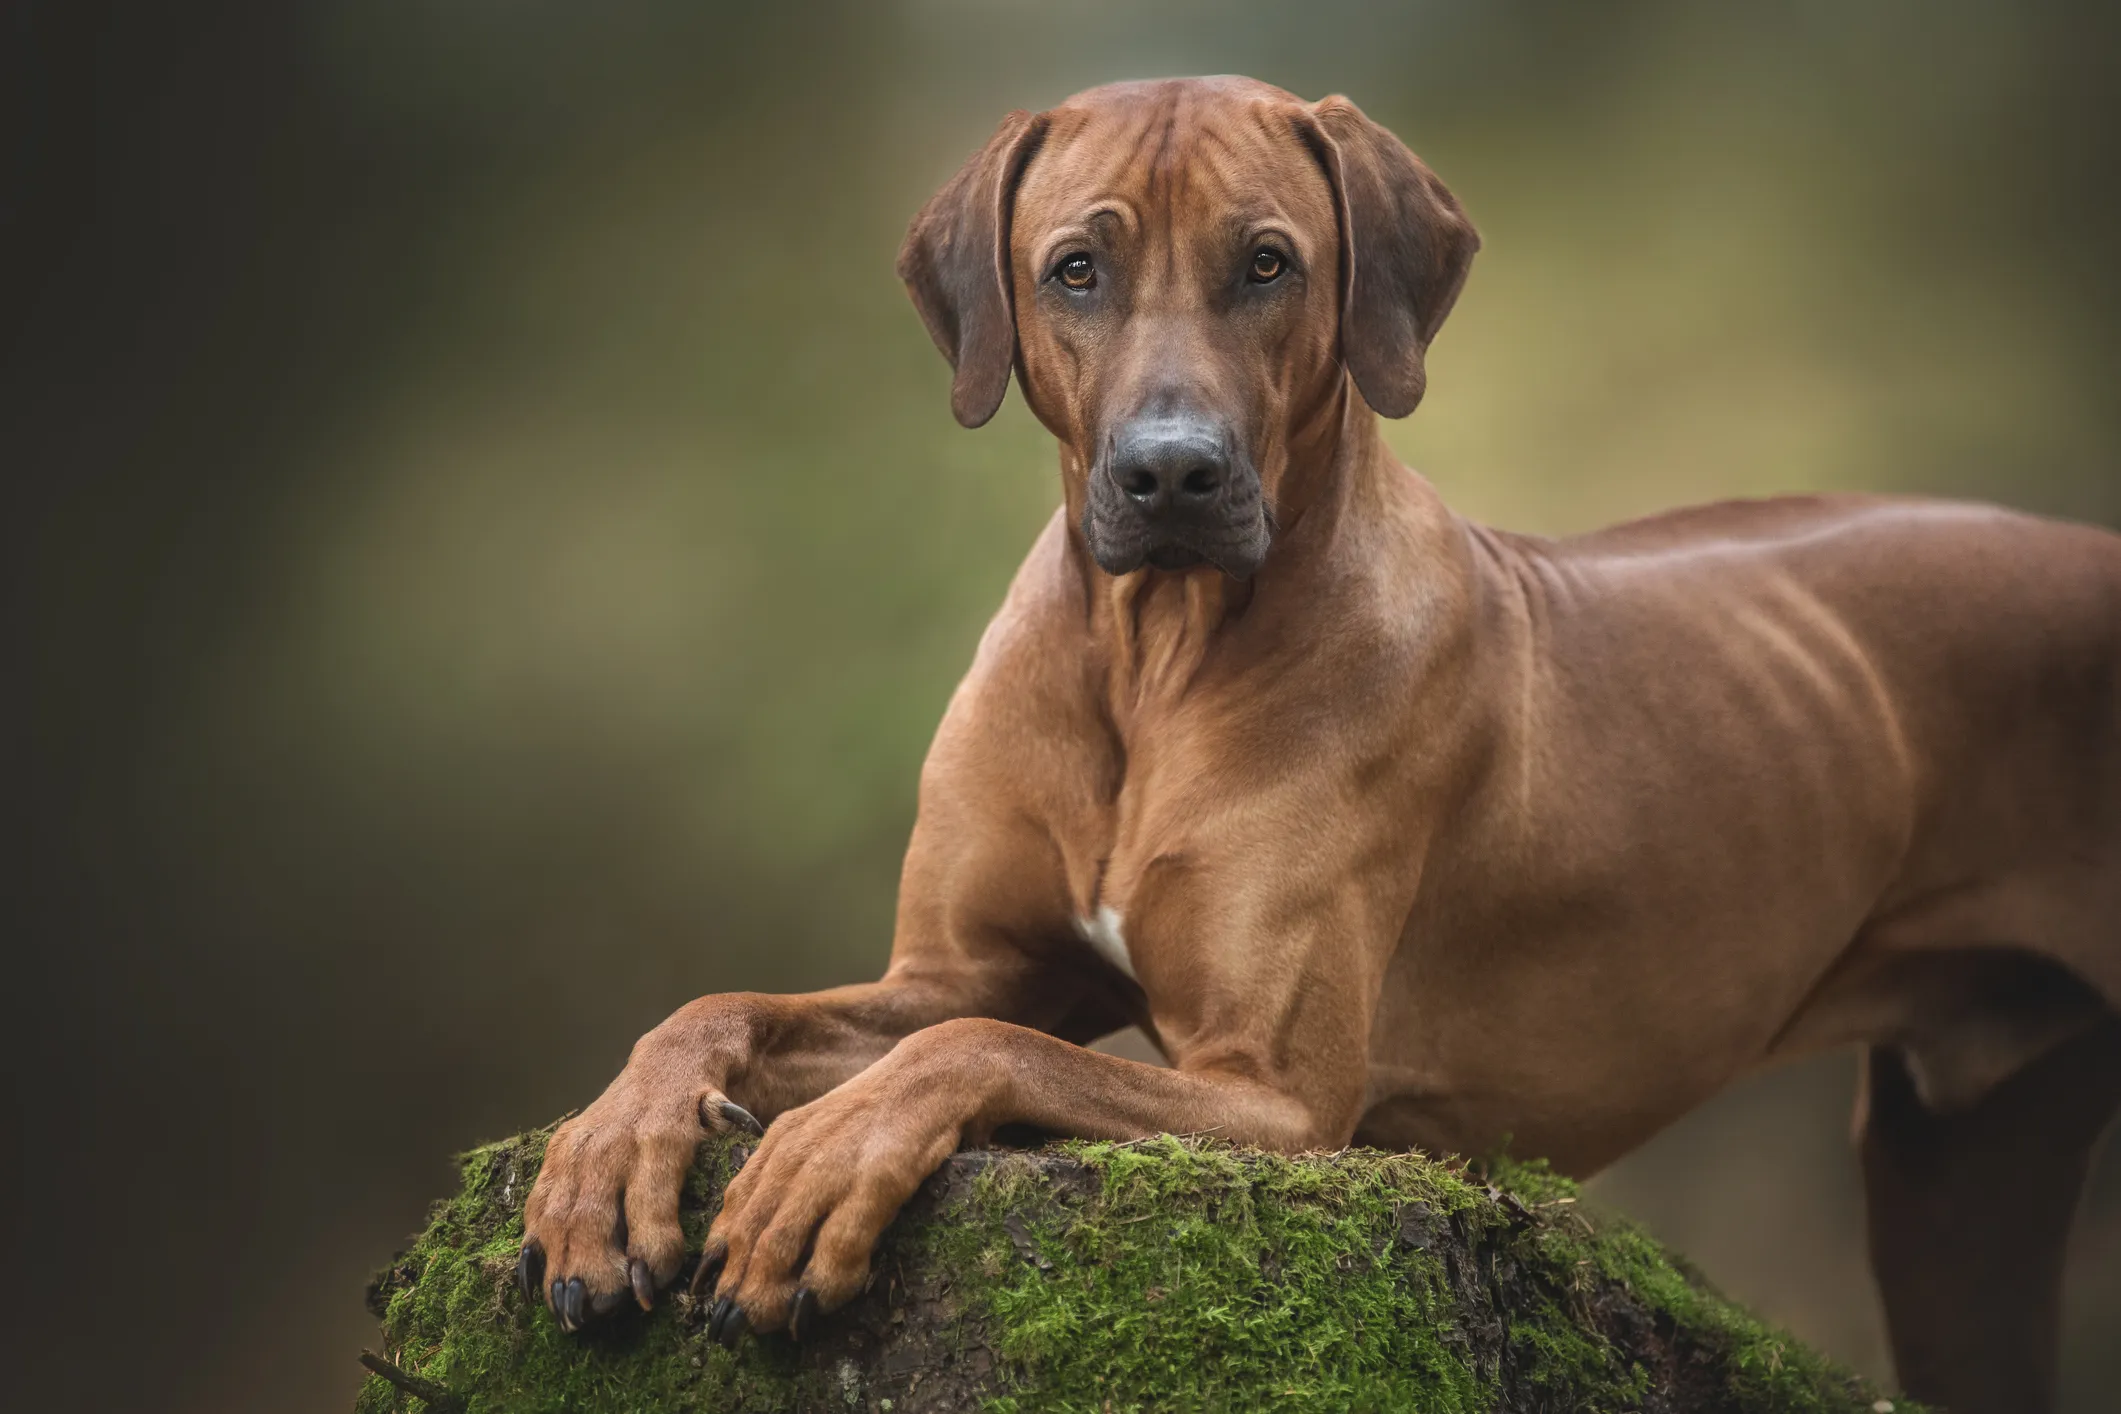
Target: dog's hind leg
1969,1215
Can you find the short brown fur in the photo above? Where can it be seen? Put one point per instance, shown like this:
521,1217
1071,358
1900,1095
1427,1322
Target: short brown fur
1410,831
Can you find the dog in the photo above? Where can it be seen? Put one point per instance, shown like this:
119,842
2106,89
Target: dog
1392,829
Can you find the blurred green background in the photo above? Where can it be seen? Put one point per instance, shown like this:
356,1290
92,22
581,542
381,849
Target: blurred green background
490,545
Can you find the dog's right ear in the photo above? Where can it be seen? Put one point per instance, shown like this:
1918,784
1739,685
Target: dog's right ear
955,263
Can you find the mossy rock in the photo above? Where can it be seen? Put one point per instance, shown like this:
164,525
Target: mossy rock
1168,1275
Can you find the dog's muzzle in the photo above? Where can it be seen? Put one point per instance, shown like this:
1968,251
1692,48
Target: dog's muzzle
1174,492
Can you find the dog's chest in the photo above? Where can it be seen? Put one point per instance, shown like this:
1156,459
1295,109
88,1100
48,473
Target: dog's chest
1102,931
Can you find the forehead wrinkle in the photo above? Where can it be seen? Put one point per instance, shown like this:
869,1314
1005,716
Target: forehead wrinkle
1154,154
1233,157
1106,223
1076,159
1110,166
1109,214
1172,167
1162,128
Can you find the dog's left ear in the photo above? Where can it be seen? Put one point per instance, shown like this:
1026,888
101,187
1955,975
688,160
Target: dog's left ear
1405,247
955,263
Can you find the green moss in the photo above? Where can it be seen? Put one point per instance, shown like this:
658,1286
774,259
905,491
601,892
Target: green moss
1579,1259
1200,1278
452,1316
1165,1275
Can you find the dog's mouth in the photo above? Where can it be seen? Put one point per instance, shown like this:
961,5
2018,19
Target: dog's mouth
1174,557
1121,545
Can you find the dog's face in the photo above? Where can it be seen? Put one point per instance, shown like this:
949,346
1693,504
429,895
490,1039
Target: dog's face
1176,269
1185,275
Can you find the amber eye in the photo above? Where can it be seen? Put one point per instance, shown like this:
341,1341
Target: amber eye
1266,265
1077,273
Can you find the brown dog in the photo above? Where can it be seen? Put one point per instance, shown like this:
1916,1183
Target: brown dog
1396,830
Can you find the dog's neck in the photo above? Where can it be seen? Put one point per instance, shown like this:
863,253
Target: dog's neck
1155,630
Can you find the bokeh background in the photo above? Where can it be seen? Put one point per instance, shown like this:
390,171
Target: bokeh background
489,545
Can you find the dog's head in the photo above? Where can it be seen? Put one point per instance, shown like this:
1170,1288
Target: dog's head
1185,274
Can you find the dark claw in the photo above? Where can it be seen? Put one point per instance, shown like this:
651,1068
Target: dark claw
804,1314
559,1301
576,1292
742,1118
643,1282
605,1303
739,1155
709,1268
717,1314
530,1270
733,1326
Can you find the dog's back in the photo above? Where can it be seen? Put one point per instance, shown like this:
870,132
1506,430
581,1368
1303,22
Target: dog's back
1818,607
1807,773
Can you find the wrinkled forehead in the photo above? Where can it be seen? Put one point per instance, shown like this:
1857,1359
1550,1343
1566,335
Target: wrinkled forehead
1202,155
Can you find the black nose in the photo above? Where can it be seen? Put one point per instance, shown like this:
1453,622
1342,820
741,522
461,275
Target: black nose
1169,464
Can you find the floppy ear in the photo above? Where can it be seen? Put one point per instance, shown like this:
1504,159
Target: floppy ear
1405,247
955,263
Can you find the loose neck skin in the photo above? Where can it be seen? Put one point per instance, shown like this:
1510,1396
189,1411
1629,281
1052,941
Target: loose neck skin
1154,629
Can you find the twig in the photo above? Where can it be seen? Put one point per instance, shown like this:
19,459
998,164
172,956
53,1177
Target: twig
1152,1138
437,1397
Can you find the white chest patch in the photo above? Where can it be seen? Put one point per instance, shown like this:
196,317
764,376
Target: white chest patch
1102,933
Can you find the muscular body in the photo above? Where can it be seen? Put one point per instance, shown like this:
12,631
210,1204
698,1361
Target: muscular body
1393,829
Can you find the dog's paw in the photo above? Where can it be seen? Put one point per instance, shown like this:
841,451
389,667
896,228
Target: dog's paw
601,1223
799,1222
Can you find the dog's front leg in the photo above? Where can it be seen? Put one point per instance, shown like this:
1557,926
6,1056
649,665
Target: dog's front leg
798,1224
601,1223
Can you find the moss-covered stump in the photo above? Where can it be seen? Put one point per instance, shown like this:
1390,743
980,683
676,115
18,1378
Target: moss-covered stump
1159,1276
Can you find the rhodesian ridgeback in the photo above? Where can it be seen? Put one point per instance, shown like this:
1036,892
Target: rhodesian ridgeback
1392,829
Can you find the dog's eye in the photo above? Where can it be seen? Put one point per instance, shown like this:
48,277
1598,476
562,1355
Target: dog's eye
1266,265
1076,272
